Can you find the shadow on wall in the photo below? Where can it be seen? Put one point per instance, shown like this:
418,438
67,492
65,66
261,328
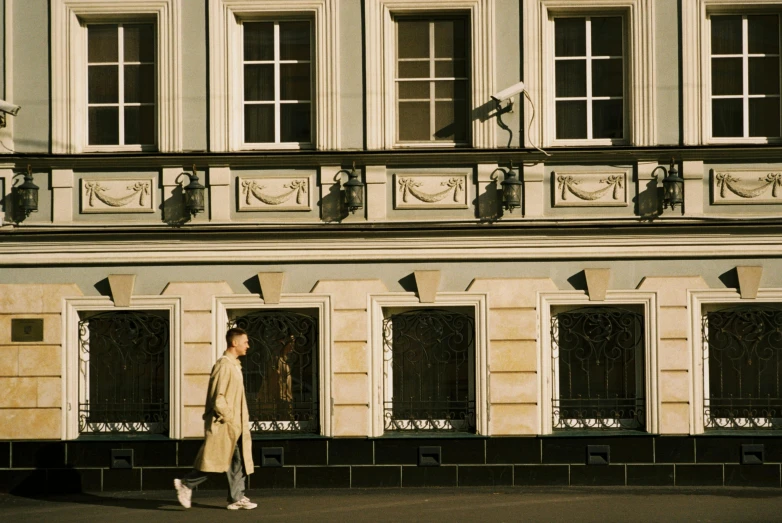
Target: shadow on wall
332,207
173,208
649,202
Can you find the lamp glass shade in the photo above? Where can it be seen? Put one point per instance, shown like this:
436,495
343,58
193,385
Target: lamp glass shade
354,192
194,196
27,195
511,191
673,186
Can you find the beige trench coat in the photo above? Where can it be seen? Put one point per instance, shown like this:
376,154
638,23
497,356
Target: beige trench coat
226,419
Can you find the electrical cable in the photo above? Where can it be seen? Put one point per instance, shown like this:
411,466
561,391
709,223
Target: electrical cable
532,118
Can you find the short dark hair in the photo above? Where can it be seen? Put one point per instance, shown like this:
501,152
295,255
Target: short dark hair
232,334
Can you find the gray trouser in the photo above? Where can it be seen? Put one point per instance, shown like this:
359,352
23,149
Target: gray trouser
235,474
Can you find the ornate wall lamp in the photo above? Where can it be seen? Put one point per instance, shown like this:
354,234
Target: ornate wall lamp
354,190
27,195
673,186
511,190
194,194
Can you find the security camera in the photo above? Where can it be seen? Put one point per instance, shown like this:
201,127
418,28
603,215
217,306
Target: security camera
508,92
8,107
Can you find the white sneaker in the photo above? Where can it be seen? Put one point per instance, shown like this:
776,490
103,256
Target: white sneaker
243,503
183,493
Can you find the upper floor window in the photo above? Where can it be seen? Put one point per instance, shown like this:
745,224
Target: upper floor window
432,81
745,68
278,82
742,371
598,368
121,84
589,78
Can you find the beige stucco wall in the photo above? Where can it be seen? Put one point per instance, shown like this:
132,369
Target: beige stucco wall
31,373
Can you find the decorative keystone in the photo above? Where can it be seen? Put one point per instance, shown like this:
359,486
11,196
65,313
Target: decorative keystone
271,286
749,281
427,283
122,288
597,283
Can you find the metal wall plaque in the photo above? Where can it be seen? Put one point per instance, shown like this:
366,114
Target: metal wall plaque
27,329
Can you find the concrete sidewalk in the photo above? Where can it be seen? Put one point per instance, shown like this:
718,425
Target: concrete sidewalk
426,505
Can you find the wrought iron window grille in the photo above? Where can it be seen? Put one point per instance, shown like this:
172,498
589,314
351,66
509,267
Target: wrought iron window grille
742,362
598,369
123,368
429,371
281,371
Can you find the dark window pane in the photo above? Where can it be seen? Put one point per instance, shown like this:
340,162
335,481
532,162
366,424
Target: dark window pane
295,123
764,117
140,83
764,75
450,40
726,35
451,89
258,41
413,90
607,119
413,69
763,34
294,40
570,37
449,69
571,120
258,123
607,78
727,118
104,125
258,82
102,43
450,121
412,39
607,36
726,76
295,81
140,125
103,85
139,42
570,78
413,121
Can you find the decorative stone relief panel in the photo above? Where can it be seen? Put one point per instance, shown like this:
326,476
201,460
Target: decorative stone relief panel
117,195
585,189
275,193
430,191
746,187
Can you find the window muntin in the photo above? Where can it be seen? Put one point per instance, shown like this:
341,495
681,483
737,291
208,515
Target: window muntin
277,82
121,85
742,371
745,76
432,80
429,371
589,78
281,369
598,369
123,372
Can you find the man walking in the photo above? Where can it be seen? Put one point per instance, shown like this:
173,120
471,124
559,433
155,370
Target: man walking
227,444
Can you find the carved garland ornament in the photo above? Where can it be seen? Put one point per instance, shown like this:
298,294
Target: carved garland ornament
254,189
726,181
96,191
410,186
569,184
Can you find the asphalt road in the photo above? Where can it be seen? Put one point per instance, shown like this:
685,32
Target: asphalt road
429,505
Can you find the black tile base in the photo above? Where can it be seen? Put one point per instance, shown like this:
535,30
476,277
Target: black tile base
487,475
124,479
698,475
351,451
371,477
597,475
161,478
674,449
650,475
273,477
512,450
752,476
73,481
541,475
322,477
429,476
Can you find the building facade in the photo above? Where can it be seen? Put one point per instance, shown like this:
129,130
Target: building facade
337,177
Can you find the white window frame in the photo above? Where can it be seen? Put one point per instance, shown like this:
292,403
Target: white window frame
696,65
121,103
276,61
559,299
70,354
70,19
589,97
378,303
226,99
380,45
640,99
698,300
322,303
